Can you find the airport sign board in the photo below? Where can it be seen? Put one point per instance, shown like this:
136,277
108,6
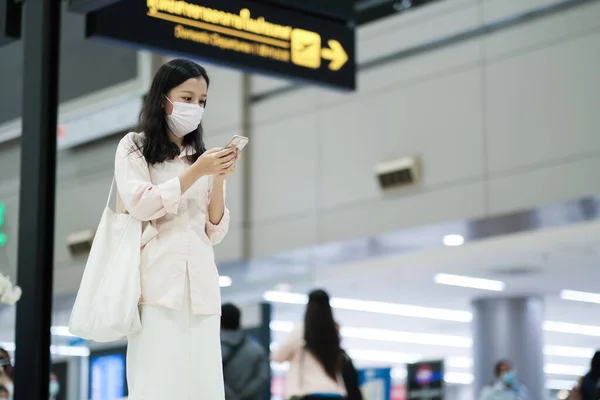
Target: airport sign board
246,34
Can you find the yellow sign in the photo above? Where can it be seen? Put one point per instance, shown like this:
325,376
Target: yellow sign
245,34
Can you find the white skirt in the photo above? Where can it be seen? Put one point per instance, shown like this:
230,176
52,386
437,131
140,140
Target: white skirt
176,356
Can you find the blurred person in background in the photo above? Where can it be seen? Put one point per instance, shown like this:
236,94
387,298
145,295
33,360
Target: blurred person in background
168,180
4,393
506,386
54,387
314,354
246,369
590,384
6,372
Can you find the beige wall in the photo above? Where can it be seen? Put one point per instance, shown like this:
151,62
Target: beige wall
503,122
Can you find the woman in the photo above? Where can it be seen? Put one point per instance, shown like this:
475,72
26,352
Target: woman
167,179
314,353
6,372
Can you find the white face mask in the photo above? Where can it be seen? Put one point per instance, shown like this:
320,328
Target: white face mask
185,118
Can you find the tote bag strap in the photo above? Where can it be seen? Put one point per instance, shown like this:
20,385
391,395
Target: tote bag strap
110,191
118,202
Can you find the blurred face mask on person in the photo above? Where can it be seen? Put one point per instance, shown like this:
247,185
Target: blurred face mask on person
509,378
54,389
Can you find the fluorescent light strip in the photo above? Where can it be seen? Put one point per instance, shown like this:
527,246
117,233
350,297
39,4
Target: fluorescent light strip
563,369
388,335
469,282
569,351
560,384
586,297
420,312
430,339
574,329
61,331
390,357
376,307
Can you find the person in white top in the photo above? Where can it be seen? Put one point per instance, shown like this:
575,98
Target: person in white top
314,354
166,178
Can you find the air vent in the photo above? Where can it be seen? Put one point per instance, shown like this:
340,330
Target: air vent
397,173
80,243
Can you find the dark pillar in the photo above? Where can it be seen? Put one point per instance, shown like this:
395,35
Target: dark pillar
41,41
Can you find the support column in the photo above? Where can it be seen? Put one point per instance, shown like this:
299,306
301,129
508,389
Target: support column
41,42
247,165
511,329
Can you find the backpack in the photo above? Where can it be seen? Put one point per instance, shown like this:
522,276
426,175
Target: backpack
233,352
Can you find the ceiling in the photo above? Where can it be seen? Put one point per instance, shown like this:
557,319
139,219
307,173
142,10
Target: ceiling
539,263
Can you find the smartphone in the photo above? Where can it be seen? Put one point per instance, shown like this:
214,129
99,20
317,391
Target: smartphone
238,141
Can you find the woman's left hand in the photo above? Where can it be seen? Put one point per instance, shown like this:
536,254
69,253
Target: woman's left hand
231,169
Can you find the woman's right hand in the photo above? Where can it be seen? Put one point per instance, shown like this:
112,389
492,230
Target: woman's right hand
215,161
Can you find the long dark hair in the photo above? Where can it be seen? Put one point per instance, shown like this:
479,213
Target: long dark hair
155,145
8,368
321,334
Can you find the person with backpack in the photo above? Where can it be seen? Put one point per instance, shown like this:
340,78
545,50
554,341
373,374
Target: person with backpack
590,384
246,369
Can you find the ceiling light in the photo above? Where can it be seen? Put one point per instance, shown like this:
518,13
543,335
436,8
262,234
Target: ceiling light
376,307
562,369
285,297
569,351
586,297
454,240
469,282
461,378
391,357
388,335
459,362
225,281
575,329
61,331
560,384
73,351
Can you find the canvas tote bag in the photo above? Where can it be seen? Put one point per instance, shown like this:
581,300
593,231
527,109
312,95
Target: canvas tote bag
106,307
